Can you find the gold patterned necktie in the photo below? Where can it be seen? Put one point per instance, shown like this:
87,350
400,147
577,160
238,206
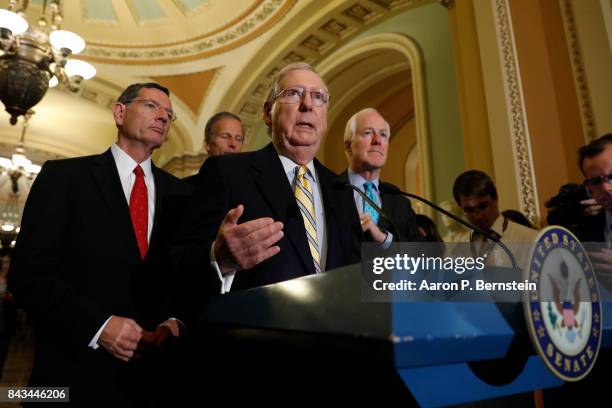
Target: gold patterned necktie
305,200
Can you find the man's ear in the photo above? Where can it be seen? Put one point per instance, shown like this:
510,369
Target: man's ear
267,114
119,112
347,147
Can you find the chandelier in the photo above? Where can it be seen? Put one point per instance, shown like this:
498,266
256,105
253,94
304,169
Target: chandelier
33,58
15,168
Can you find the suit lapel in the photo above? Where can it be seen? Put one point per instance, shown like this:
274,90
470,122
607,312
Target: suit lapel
386,206
107,179
270,178
161,190
354,217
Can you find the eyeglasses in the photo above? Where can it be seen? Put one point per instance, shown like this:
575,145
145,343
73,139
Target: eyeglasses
319,97
595,181
153,106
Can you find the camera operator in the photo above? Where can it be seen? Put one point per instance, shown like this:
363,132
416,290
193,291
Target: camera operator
572,207
591,221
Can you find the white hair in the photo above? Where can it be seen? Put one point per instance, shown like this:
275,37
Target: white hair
351,124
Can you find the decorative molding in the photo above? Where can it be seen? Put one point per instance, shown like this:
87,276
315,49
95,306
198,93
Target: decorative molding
361,13
579,71
519,131
253,25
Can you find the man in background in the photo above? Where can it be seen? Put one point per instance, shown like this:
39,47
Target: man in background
223,134
366,144
476,194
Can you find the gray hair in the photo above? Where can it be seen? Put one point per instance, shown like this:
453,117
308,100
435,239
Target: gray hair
131,92
351,124
274,87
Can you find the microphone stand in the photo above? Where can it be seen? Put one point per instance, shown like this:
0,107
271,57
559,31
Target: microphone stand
373,205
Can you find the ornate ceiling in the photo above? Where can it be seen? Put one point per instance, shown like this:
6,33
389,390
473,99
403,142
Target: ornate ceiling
161,31
213,55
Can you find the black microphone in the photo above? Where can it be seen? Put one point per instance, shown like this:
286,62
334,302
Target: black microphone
393,190
343,184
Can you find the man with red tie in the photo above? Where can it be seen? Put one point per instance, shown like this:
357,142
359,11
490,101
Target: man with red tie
91,226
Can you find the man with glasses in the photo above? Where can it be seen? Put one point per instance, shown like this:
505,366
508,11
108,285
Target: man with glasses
91,227
595,162
476,195
274,214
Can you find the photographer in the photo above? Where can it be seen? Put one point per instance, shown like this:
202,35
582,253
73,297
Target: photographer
572,207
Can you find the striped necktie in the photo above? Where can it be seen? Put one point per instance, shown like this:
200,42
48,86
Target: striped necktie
305,200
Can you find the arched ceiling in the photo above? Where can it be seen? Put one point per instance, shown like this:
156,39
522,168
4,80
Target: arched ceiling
213,55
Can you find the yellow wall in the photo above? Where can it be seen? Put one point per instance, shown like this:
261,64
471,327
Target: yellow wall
551,103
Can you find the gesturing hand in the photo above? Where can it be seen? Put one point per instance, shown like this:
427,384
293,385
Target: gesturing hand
242,246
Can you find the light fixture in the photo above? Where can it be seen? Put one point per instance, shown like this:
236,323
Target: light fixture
15,168
32,59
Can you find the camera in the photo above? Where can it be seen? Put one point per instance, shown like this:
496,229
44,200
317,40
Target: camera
565,208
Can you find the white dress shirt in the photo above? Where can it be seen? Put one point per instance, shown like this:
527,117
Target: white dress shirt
289,167
125,167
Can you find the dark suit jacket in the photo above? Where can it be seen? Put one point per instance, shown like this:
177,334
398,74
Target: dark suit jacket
192,180
258,181
591,229
76,263
396,208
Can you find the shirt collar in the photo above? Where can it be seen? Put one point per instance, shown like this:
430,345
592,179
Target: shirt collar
358,180
289,166
126,165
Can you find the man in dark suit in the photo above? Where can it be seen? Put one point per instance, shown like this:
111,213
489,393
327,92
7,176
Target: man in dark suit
275,213
91,226
366,143
595,162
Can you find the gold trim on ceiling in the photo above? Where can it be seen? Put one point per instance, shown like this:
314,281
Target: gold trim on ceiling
235,21
270,13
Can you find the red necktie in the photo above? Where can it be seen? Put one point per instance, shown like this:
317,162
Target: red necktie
139,211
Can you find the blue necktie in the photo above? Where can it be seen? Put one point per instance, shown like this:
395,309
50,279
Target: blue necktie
370,191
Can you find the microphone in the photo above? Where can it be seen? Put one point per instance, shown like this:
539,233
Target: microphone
393,190
343,184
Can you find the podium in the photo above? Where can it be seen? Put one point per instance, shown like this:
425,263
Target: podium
315,333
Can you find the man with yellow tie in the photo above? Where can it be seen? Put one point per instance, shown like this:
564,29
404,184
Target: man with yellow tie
274,214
